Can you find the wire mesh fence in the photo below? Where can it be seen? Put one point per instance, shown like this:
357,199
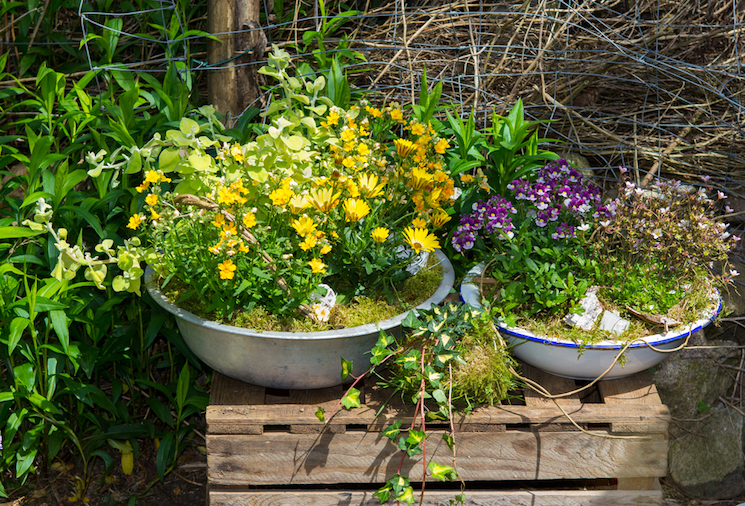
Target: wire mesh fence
651,84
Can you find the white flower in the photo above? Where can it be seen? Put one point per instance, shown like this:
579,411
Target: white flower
733,273
657,233
584,227
721,195
705,179
605,223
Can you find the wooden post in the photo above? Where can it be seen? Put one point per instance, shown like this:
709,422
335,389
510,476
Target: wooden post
233,83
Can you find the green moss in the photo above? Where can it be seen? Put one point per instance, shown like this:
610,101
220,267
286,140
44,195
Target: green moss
360,310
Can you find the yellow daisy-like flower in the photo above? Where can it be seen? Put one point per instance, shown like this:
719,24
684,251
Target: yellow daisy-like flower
249,220
421,240
229,230
324,199
326,249
227,269
317,267
309,242
418,223
419,178
441,146
153,215
418,129
355,209
219,220
135,220
380,234
440,218
369,187
347,135
304,226
152,177
298,203
151,199
404,147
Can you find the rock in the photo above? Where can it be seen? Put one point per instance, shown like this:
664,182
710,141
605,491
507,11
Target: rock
705,460
693,375
592,309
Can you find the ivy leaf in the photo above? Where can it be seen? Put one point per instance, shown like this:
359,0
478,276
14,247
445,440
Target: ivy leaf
440,396
406,496
442,473
352,399
319,414
411,321
384,340
411,445
393,430
448,438
461,498
346,368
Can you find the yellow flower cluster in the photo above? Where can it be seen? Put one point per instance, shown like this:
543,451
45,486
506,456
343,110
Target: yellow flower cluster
152,177
230,241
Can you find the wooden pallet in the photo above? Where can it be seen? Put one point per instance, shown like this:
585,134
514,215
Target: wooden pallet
268,448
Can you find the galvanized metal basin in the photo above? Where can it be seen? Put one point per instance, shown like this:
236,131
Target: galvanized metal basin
286,360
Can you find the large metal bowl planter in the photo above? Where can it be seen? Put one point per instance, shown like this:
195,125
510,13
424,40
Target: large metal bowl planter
566,358
286,360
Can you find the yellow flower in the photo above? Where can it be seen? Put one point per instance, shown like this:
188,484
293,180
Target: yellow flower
441,146
418,129
242,248
309,242
153,215
349,146
372,111
237,153
348,162
215,249
152,177
355,209
281,196
347,135
332,118
304,226
298,203
144,186
229,230
404,147
227,269
397,115
135,220
380,234
219,220
421,240
362,149
249,220
418,223
419,178
466,178
317,266
369,187
326,249
151,199
324,199
440,218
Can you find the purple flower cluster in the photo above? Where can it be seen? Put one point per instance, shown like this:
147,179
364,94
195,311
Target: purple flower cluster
559,202
560,190
492,216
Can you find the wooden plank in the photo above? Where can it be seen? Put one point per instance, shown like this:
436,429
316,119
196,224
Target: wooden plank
635,390
222,419
554,384
229,391
358,457
440,498
326,398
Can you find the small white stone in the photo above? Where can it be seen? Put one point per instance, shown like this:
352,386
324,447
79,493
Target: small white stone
592,307
612,322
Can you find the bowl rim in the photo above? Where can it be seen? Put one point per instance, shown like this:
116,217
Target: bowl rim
471,296
448,279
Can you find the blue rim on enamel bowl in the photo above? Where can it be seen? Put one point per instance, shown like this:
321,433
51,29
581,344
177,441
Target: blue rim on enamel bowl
469,293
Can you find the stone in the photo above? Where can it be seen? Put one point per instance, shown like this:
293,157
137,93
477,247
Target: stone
705,459
592,309
694,375
612,322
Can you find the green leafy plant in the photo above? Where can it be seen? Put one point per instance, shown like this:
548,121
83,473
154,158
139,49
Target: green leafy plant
452,358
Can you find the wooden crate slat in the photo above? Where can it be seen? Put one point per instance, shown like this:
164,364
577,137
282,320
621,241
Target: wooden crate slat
371,458
635,390
223,418
554,385
227,391
476,498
